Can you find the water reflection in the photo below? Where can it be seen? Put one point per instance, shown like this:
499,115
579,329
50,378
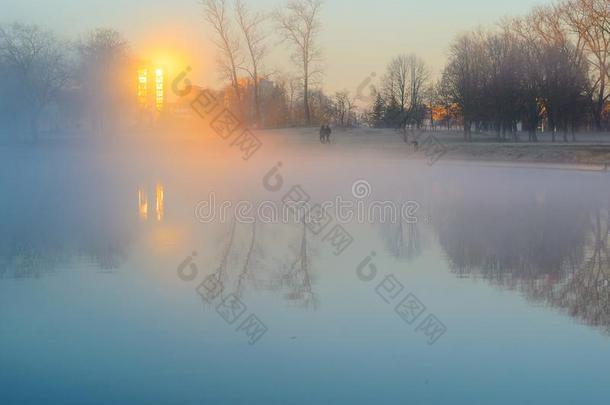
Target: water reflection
550,246
159,202
61,227
542,241
297,280
142,204
64,220
402,240
251,261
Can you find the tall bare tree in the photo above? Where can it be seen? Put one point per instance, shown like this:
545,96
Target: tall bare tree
343,109
397,80
250,25
230,59
409,77
589,20
37,60
299,24
105,74
564,64
464,78
504,82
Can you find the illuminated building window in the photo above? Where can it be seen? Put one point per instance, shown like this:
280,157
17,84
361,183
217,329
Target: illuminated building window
142,86
151,88
159,90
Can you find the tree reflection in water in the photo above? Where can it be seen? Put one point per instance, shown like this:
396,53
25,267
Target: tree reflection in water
548,246
253,259
53,226
402,240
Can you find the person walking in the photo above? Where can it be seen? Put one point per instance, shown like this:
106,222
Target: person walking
327,132
322,134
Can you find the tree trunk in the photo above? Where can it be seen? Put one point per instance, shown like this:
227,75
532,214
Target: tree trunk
466,130
599,110
306,100
257,107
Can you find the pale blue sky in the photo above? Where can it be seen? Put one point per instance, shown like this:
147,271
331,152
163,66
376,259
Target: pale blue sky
359,36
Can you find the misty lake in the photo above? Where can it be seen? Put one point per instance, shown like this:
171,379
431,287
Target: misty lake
114,289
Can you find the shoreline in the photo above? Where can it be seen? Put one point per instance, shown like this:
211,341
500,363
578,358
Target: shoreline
591,153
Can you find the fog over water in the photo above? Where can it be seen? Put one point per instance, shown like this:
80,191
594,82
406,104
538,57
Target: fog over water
100,293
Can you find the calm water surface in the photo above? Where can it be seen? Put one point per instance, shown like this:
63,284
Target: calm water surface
506,272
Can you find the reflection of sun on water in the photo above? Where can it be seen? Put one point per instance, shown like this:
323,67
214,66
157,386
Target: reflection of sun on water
159,202
164,238
142,204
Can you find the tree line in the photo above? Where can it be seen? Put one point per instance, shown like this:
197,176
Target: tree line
269,98
88,81
547,70
87,84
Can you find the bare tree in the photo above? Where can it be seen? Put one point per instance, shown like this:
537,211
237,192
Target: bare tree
564,87
409,78
343,109
560,53
397,80
250,26
404,87
229,46
589,20
104,71
503,96
300,25
37,60
464,77
292,90
532,72
547,23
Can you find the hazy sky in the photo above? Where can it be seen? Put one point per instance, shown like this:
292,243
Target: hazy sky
359,36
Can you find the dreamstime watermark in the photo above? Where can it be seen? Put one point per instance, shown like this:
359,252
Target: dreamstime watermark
410,309
291,209
296,206
230,307
367,83
222,121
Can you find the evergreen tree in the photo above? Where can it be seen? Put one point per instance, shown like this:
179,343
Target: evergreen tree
377,112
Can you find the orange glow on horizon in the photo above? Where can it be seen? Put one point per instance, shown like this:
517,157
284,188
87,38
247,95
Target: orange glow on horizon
172,61
175,47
